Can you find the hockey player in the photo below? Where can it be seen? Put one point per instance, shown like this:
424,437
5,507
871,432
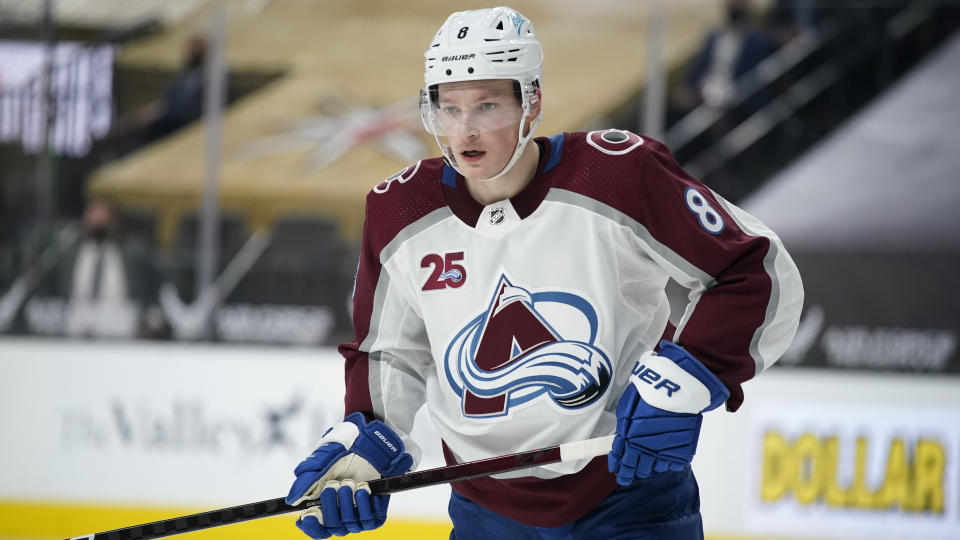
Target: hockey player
517,287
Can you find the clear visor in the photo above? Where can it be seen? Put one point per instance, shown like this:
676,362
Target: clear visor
463,110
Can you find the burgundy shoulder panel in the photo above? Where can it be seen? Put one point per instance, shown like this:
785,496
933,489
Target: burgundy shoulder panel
402,199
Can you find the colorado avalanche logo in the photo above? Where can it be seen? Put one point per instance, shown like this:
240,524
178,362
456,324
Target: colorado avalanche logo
511,354
453,275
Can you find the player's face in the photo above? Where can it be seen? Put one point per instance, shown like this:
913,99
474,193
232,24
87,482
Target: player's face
479,120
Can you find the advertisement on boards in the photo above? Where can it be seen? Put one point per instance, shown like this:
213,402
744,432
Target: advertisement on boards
836,470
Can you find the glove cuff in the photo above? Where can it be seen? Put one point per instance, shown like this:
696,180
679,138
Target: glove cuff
345,433
718,391
675,381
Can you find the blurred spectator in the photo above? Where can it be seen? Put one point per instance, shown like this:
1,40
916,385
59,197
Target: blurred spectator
727,53
182,103
789,18
110,281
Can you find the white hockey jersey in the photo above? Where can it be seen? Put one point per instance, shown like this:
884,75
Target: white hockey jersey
518,322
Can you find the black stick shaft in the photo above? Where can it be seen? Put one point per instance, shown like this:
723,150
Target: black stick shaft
393,484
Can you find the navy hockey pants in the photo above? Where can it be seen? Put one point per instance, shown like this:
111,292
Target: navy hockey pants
663,507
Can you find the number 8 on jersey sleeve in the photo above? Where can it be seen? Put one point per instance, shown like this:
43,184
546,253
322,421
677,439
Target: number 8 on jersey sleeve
709,218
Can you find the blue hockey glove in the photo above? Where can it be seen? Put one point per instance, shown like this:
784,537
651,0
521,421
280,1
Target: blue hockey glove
350,454
659,414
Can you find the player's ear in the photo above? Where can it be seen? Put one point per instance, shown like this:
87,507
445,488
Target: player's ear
536,101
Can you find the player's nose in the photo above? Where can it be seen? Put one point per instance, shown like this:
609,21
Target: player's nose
469,128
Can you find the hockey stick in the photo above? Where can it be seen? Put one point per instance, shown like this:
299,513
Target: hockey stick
567,452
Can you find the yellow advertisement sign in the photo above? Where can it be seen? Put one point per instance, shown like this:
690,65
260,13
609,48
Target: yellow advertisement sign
855,471
806,468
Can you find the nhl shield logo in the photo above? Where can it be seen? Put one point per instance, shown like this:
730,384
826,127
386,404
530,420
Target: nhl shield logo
496,216
512,354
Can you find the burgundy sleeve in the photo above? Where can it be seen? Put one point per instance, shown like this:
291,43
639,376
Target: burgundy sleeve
389,211
356,368
730,264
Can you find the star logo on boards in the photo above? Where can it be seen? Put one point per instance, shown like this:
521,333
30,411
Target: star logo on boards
340,128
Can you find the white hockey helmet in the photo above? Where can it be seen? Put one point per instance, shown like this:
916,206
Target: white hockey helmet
478,45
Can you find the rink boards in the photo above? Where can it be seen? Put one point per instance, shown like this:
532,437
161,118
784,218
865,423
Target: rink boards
101,436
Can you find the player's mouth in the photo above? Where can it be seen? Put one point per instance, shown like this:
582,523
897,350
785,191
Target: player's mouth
472,156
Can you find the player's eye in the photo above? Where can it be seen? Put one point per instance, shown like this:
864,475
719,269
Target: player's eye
450,110
488,106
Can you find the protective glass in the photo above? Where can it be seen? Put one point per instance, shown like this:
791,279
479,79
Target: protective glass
465,110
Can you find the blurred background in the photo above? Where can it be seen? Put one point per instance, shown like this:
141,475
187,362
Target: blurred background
181,202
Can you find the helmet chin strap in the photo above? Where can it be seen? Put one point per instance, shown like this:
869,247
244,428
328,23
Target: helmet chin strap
522,141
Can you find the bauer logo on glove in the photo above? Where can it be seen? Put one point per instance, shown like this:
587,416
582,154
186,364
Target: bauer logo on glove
659,414
350,454
663,383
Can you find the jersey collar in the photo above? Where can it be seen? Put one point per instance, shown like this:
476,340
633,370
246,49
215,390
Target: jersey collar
464,206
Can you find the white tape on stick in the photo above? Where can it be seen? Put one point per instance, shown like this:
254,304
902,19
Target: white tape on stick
586,449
